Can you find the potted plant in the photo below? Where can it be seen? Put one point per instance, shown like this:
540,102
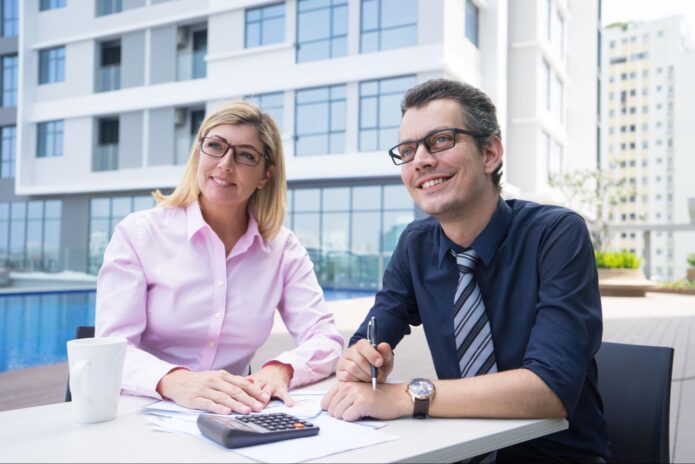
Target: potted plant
619,274
691,269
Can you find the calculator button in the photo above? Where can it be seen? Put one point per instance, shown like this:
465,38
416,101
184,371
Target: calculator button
298,425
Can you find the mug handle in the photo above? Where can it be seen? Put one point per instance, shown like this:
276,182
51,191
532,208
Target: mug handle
76,382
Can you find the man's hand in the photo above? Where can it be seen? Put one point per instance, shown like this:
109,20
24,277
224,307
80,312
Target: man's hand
274,379
351,401
215,391
355,364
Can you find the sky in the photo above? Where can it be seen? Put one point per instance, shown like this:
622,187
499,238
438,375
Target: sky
626,10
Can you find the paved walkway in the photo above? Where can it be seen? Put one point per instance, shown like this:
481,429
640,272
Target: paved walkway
658,319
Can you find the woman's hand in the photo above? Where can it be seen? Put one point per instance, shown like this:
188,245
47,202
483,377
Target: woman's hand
274,379
216,391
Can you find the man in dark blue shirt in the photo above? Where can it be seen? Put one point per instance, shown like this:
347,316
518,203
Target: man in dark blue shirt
507,287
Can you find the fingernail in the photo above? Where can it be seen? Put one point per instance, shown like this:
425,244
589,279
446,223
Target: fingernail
258,405
377,363
265,396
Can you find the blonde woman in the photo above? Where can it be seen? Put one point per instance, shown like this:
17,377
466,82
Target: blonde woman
193,283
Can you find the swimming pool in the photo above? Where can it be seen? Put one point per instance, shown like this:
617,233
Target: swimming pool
35,327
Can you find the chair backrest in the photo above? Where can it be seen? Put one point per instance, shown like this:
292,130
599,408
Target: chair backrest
635,385
82,331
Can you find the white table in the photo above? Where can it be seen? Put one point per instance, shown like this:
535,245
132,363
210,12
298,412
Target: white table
48,434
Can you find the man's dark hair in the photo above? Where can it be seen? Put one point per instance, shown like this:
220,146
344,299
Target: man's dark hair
479,113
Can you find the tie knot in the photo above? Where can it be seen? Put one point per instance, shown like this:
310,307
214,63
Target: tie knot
466,260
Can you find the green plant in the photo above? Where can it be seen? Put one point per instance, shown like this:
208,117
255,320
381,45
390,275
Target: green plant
678,284
691,259
617,260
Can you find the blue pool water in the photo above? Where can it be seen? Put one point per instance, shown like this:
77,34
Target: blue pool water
35,327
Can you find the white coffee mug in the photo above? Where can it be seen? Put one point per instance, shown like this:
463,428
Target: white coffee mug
96,372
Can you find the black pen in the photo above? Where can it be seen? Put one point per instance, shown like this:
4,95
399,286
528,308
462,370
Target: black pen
371,335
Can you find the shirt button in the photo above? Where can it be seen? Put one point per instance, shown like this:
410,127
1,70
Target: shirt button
218,316
212,344
220,283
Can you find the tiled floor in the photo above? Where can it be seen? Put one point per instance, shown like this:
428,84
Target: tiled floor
657,319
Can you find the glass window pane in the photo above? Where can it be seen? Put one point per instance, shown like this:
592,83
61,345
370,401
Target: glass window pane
35,210
339,47
370,15
366,198
365,233
307,200
397,197
336,199
388,138
311,145
53,209
100,208
337,142
120,208
398,12
394,224
335,228
273,31
338,110
389,110
340,16
312,118
368,112
307,230
253,35
400,37
142,202
397,85
368,140
313,51
312,95
314,25
290,197
369,42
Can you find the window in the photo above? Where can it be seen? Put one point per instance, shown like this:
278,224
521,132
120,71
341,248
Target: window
30,234
10,18
52,65
8,151
265,25
191,49
49,139
108,7
380,114
271,103
106,151
320,120
200,49
546,19
108,75
560,42
388,24
104,214
349,232
9,81
321,29
472,22
51,4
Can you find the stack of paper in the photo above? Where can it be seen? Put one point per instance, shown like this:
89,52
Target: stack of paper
335,436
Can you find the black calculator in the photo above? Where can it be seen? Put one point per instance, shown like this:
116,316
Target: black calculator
254,429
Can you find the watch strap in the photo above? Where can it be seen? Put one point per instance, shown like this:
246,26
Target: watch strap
421,408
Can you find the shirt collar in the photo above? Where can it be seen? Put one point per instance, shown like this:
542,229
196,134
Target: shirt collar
196,222
487,242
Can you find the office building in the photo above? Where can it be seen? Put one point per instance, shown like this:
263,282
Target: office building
648,113
112,92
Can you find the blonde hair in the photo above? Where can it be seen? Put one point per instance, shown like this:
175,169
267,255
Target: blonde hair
268,204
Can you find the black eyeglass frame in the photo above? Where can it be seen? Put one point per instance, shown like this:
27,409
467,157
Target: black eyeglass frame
235,151
398,160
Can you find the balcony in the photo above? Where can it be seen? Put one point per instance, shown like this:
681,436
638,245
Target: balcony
108,78
105,158
190,65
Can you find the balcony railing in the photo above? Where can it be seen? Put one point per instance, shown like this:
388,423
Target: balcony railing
190,65
108,78
105,158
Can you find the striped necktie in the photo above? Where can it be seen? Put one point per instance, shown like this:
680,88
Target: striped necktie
474,347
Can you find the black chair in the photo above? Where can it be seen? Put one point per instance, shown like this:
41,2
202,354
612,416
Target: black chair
635,385
82,331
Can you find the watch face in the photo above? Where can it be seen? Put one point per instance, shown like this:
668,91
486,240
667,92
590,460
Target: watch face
421,388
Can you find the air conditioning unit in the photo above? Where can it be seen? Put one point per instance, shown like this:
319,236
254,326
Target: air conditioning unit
180,117
182,37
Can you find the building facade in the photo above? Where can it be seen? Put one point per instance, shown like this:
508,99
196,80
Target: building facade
111,93
648,71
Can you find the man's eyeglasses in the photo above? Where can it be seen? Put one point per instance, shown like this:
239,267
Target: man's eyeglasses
434,142
243,154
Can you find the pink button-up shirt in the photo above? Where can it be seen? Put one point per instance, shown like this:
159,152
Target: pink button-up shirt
167,286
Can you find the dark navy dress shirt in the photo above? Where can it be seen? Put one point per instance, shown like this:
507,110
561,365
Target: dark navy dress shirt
539,282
